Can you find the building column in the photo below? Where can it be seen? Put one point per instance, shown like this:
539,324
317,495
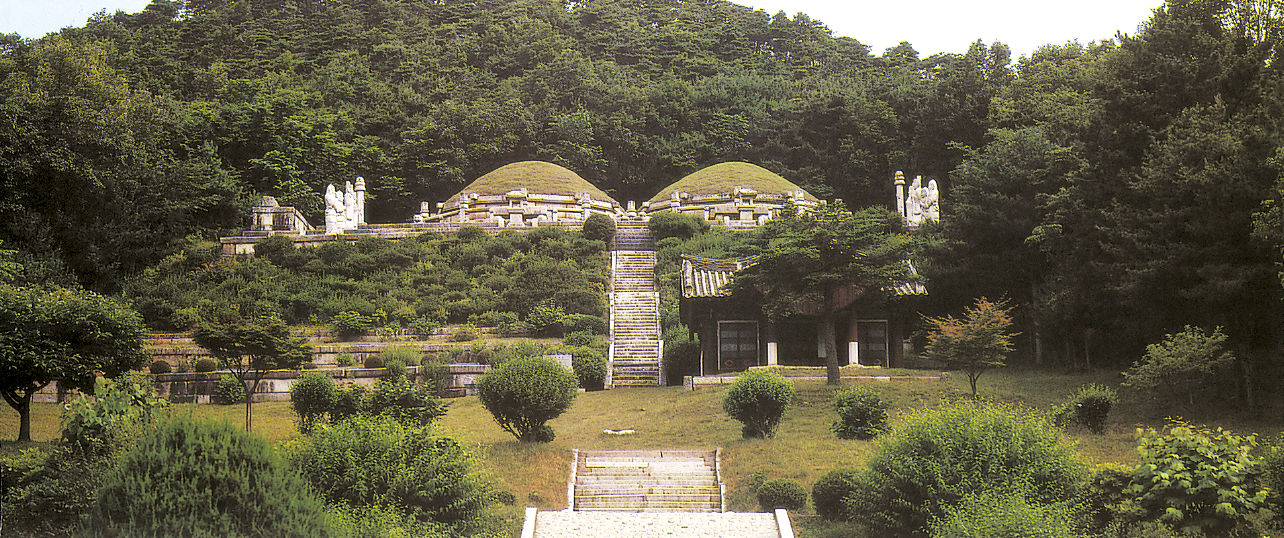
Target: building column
773,355
853,341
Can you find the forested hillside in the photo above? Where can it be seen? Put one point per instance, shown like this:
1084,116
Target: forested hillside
1110,190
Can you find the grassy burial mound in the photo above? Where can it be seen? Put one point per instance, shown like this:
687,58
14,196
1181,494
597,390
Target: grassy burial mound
536,177
721,178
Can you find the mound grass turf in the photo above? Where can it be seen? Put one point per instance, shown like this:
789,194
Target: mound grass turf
721,178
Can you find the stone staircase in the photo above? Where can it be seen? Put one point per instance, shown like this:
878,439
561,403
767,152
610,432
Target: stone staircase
635,308
650,494
646,481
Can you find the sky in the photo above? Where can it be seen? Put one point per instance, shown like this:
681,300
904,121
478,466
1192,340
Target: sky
932,26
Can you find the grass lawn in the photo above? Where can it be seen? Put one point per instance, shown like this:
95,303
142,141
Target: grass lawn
670,417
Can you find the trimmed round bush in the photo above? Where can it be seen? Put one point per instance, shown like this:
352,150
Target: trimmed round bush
373,361
784,493
580,338
830,494
229,390
862,413
758,399
206,364
379,461
600,227
525,392
312,397
667,224
205,478
1088,407
159,366
937,455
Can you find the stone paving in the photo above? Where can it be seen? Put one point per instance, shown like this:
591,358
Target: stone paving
654,525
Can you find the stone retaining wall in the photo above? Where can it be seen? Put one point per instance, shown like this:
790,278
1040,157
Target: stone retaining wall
275,386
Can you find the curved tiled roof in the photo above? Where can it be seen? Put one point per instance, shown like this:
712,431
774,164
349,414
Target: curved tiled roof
722,178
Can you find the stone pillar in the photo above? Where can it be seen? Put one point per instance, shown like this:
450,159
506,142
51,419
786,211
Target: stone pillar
900,193
361,200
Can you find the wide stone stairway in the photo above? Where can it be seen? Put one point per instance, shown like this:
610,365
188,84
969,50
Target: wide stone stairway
647,481
650,493
635,308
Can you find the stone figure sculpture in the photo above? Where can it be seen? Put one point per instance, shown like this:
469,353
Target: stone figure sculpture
344,210
922,203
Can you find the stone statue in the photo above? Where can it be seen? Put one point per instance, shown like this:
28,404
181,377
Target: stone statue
349,207
914,202
933,211
333,210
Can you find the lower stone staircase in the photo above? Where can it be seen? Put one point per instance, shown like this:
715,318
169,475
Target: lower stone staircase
647,481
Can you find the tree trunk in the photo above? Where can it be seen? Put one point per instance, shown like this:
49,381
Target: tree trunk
249,399
827,332
22,404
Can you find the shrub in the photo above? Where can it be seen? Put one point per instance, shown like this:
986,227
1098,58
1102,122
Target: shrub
681,354
667,224
862,413
1108,486
936,455
524,393
573,323
402,400
545,317
758,399
206,364
406,355
312,397
600,227
378,461
205,478
1196,480
350,324
580,338
229,390
590,367
343,360
784,493
1181,363
373,361
493,318
184,367
1005,514
1089,407
1272,477
464,333
484,356
436,378
830,494
52,494
159,366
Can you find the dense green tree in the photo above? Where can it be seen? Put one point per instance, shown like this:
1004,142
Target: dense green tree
811,257
64,334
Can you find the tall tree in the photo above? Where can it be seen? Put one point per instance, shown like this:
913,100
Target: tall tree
63,334
812,256
252,347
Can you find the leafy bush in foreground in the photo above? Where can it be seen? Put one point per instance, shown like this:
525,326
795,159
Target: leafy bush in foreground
829,494
1006,514
758,399
378,461
526,392
936,456
1197,480
205,478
